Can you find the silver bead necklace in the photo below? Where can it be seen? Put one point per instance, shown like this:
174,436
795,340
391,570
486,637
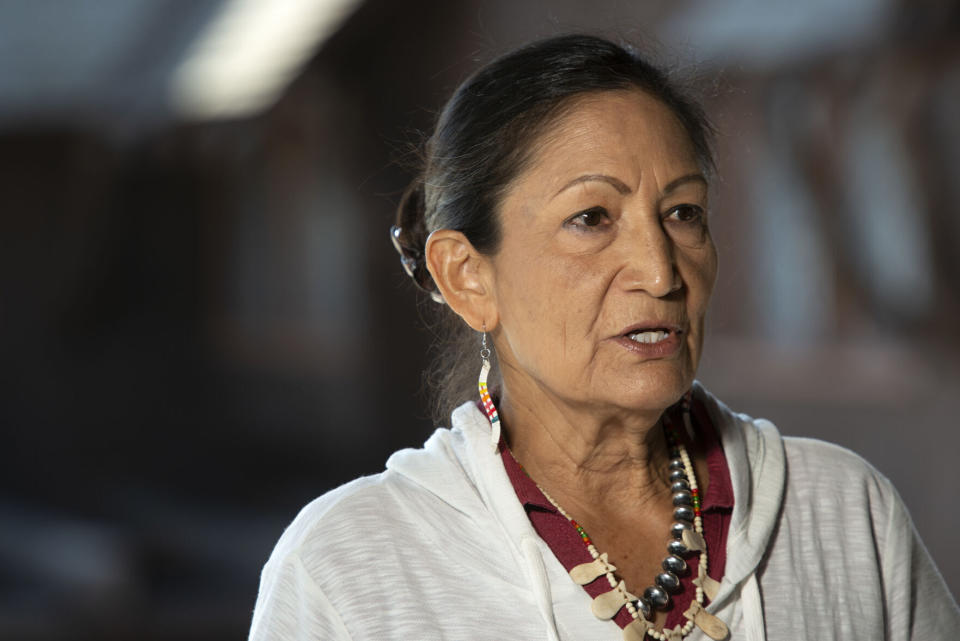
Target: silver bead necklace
686,539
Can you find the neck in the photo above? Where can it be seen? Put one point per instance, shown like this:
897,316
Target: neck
586,456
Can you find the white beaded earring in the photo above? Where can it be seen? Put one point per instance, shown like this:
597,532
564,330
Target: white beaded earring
488,405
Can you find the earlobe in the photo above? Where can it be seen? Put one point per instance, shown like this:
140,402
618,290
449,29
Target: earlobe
462,274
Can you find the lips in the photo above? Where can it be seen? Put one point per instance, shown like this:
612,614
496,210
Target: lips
655,339
649,336
652,326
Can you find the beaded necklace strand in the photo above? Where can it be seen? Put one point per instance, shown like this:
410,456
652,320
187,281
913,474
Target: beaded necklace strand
687,537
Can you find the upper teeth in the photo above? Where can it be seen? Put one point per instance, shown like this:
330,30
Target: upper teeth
654,336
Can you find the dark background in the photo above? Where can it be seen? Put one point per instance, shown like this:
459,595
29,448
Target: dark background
203,324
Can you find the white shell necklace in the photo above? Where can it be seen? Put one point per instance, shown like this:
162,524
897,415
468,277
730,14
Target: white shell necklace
686,538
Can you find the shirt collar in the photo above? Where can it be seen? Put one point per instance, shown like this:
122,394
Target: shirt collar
527,491
719,495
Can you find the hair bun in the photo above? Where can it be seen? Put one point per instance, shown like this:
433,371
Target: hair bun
409,236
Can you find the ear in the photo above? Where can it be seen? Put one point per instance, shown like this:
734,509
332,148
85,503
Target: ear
464,277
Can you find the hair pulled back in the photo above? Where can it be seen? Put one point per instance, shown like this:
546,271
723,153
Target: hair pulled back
484,137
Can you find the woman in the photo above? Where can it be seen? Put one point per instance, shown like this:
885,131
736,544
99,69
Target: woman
602,494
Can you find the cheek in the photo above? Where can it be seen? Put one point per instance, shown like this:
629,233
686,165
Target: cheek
523,298
574,289
700,276
538,296
546,305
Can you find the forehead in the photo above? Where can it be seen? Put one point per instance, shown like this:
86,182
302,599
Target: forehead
627,132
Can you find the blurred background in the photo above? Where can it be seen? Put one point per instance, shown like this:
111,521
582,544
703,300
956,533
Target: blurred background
203,324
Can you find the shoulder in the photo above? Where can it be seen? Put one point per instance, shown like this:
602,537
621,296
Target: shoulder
832,483
419,528
376,508
422,498
817,463
822,485
825,457
353,504
809,463
833,494
290,583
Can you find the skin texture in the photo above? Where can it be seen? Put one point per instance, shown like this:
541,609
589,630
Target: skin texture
604,230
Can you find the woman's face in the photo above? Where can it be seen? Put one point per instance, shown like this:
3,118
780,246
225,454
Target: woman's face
606,265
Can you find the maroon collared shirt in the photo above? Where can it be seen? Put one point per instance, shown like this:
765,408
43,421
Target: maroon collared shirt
568,547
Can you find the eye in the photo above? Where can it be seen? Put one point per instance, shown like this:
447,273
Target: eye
686,214
687,225
593,217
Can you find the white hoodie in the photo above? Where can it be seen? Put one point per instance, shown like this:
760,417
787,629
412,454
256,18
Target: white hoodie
438,546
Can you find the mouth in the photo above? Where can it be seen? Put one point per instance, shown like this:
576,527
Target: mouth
652,339
649,336
652,332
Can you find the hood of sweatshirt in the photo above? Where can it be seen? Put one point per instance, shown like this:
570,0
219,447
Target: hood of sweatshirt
460,467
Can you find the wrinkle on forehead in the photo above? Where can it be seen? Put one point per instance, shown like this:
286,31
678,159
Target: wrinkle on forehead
581,131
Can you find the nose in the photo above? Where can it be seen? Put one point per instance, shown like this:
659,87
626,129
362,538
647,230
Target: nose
649,260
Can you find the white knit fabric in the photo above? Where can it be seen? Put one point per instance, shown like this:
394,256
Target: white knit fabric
820,548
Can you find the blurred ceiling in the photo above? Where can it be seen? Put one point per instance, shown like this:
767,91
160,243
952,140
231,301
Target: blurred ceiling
774,34
126,65
129,64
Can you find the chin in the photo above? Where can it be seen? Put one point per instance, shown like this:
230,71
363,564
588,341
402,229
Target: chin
654,393
650,385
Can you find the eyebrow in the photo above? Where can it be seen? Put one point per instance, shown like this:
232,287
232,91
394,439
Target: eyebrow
683,180
623,189
617,184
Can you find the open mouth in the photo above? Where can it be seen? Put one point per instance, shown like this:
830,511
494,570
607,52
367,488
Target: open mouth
650,336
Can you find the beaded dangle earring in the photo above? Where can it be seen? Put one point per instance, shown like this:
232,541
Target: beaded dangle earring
488,405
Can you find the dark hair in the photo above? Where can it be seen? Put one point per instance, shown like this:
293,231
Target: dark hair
483,139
